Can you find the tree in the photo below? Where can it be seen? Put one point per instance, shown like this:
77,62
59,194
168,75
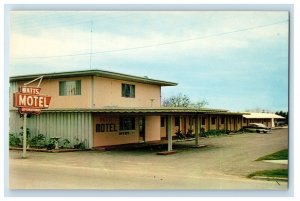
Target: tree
285,115
199,104
181,100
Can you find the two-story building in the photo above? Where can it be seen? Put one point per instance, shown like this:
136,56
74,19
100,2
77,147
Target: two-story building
102,108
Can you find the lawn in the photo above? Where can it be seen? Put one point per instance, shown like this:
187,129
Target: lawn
281,173
280,155
278,173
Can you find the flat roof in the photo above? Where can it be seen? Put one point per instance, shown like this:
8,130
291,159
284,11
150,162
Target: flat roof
253,115
148,110
98,73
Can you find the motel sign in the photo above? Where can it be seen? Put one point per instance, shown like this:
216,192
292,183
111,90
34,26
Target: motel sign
29,100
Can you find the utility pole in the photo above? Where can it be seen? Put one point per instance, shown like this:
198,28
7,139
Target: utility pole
91,44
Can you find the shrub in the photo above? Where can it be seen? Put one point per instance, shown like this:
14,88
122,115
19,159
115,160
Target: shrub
38,141
66,143
189,134
50,144
180,135
14,140
214,133
79,145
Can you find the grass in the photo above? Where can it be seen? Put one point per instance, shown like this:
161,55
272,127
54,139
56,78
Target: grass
279,173
280,155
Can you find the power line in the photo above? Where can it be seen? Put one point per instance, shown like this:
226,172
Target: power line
159,44
61,20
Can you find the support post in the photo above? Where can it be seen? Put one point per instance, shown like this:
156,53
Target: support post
169,133
209,122
180,124
201,119
197,131
24,136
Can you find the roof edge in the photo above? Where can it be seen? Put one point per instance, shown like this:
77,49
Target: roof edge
94,72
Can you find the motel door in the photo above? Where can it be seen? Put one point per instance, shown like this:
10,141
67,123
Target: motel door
142,129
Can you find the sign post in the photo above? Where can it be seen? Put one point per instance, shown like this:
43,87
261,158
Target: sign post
29,100
24,136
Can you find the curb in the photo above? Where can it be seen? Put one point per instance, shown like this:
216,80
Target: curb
48,151
270,178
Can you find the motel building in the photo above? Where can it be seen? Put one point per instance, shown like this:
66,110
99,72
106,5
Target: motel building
102,108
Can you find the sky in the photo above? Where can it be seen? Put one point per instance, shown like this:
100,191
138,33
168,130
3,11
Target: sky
235,60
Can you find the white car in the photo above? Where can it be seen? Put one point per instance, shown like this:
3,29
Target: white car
257,127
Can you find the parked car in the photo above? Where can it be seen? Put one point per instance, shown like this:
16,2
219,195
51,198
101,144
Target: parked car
257,127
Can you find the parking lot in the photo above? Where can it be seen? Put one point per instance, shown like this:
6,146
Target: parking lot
223,164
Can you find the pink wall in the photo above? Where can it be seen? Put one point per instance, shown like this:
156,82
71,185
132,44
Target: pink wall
108,92
112,135
50,87
163,130
100,92
152,128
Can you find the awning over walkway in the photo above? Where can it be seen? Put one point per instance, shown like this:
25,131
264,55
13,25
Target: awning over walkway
148,110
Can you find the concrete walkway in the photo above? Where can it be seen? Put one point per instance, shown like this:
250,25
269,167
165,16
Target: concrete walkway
285,162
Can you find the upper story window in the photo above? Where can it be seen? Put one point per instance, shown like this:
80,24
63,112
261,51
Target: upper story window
70,88
128,90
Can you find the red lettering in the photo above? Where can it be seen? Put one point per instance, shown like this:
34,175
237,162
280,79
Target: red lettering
31,101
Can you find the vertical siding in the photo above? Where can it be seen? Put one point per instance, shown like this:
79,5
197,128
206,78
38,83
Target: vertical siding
64,125
13,87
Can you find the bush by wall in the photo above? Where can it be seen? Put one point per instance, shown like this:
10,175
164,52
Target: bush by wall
214,133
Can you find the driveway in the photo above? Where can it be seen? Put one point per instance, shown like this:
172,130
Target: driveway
223,164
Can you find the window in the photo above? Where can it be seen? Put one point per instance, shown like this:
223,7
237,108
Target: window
213,120
203,120
127,123
191,122
97,127
177,121
244,119
222,120
70,88
162,122
128,90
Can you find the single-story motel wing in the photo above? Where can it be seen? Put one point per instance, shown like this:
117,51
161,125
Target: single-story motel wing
102,108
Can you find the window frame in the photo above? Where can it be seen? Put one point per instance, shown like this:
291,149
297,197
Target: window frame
65,88
130,124
124,92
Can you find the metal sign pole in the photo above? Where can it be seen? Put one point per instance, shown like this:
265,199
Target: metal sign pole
24,136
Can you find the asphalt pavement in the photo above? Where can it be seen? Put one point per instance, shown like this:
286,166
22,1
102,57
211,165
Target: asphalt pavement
224,163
